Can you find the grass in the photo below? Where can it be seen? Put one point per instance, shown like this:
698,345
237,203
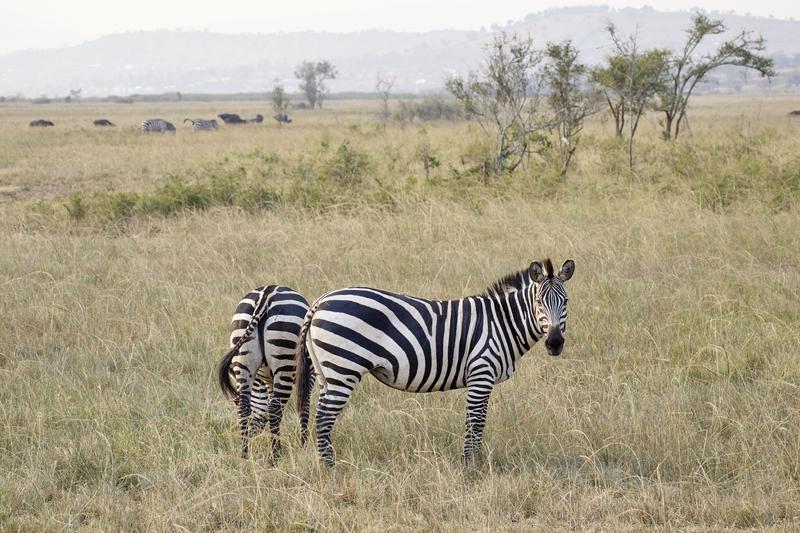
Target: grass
676,403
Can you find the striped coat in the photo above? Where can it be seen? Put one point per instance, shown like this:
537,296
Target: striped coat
259,370
418,345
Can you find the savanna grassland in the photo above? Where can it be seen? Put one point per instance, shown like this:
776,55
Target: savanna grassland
676,403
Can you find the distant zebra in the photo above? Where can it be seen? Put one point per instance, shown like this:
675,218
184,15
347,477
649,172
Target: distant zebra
282,118
201,124
157,125
103,123
420,345
259,370
41,123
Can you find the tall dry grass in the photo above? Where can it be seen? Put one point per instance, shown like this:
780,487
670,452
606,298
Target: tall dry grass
676,403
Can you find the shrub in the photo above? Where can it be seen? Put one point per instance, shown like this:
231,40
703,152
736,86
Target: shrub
431,108
347,166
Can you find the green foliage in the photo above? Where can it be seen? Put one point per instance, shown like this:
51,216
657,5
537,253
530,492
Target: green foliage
570,103
503,97
312,76
280,99
428,109
346,166
686,69
630,82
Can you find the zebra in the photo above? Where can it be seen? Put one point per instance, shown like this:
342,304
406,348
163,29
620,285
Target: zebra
282,118
41,123
419,345
201,124
258,371
157,125
102,122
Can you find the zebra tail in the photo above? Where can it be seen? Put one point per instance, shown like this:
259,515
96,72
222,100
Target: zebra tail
225,385
228,390
302,381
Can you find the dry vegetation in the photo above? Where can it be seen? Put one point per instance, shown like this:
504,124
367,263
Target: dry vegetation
676,402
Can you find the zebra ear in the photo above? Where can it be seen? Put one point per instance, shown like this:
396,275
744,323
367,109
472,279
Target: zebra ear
567,270
537,272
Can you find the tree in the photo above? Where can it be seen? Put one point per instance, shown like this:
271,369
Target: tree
686,70
383,86
644,75
312,78
569,101
280,100
504,98
649,74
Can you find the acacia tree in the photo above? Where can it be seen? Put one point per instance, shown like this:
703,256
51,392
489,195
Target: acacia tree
280,100
686,70
644,77
649,72
383,86
312,76
567,96
504,98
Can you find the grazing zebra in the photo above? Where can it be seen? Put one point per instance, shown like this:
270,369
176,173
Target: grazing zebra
157,125
41,123
101,122
258,372
201,124
420,345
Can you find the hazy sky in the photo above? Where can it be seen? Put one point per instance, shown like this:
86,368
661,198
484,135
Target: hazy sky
52,23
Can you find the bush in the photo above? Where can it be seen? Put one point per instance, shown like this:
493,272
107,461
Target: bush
431,108
346,166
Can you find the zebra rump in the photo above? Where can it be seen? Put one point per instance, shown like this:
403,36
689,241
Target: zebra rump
258,371
157,125
201,124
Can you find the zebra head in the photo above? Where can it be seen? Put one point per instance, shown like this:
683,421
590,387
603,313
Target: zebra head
550,301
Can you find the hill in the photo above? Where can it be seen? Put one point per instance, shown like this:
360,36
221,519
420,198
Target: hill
205,62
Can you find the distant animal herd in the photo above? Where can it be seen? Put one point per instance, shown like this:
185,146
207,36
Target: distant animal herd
158,125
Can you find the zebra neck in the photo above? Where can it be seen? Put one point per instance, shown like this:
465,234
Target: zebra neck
513,323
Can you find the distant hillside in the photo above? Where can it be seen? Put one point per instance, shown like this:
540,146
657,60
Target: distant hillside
203,62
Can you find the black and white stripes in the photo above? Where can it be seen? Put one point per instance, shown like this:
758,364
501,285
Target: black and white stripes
259,370
157,125
419,345
201,124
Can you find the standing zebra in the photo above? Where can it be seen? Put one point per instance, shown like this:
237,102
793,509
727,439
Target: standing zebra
420,345
157,125
201,124
258,372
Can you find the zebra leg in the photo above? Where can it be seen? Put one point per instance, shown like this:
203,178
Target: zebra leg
276,405
244,366
480,383
332,400
282,382
260,398
305,413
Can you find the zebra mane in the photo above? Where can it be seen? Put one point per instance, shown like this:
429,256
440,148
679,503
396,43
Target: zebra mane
517,280
547,266
510,282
